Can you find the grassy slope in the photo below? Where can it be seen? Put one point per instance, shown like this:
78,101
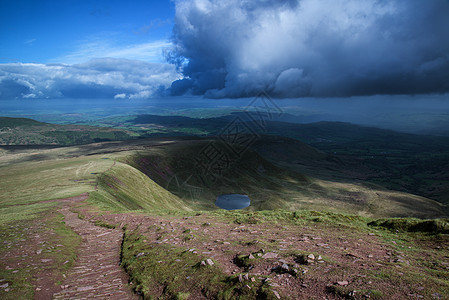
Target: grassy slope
30,176
175,167
124,188
36,176
397,161
63,172
410,163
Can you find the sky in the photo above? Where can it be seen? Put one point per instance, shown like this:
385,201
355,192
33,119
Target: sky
74,31
222,49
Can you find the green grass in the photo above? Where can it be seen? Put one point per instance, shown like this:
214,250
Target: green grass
29,179
435,226
22,212
60,249
124,188
56,173
105,225
70,241
272,188
407,165
300,217
176,273
269,186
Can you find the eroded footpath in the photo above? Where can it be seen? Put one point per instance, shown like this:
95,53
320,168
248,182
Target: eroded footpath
96,272
278,255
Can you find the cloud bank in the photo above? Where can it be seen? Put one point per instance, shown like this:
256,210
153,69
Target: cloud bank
295,48
98,78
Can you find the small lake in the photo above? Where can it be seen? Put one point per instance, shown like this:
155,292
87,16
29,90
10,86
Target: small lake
232,201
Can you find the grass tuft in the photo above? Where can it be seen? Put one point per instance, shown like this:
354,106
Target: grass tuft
435,226
105,225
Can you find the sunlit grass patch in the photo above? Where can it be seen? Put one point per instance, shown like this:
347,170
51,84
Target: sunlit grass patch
23,212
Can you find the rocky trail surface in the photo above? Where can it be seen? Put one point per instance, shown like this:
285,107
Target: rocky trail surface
318,260
97,272
42,265
299,259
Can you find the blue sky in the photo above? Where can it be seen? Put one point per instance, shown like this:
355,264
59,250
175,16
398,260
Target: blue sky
223,49
73,31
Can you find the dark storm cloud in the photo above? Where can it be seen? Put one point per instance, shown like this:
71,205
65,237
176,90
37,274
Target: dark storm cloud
298,48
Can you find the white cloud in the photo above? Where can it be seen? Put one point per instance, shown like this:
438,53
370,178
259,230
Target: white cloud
120,96
30,41
104,47
99,78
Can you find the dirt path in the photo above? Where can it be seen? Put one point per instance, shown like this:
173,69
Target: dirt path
96,273
346,260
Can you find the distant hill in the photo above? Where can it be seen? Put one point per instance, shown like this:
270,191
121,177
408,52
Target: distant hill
22,131
336,154
16,122
182,168
413,163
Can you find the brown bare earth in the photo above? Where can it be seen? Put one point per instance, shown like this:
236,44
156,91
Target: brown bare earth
96,272
346,263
